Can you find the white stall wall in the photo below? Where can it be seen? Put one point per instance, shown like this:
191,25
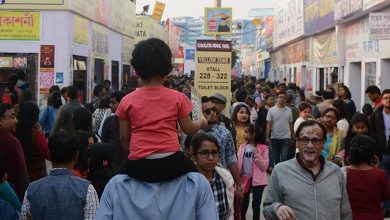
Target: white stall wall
57,29
114,52
359,50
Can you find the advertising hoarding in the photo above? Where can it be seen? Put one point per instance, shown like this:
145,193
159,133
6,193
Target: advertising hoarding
80,30
379,26
319,15
46,73
346,8
218,21
289,23
19,25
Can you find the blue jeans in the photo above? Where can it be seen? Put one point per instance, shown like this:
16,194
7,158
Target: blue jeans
270,156
280,149
385,165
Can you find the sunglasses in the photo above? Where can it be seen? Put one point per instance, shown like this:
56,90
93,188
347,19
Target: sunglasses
208,110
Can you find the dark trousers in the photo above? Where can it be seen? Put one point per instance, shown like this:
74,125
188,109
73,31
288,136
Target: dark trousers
280,149
159,170
256,202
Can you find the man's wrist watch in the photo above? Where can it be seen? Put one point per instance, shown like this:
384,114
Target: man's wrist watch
239,188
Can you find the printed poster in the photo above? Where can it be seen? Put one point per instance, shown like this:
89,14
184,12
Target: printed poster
81,30
59,77
218,21
47,56
46,72
46,80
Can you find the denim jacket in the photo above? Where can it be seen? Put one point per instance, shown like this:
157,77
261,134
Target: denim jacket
47,117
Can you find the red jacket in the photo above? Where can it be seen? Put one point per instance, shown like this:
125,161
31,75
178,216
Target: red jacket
12,151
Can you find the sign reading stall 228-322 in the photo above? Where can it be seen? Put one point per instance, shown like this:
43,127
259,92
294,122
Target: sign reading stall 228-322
213,67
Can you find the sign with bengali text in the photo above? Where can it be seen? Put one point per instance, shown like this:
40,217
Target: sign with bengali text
213,68
379,26
17,25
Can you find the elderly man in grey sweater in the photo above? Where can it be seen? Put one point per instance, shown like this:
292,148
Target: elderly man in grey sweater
307,186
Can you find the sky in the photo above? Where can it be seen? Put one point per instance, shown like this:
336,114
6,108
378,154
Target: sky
195,8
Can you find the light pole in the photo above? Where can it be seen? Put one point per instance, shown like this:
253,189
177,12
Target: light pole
217,4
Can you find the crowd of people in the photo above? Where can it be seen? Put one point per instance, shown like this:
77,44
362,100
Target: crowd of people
160,151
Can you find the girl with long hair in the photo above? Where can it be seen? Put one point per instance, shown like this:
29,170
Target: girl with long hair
240,118
34,142
252,165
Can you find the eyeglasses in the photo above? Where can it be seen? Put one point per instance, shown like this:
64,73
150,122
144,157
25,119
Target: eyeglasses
330,117
208,110
314,141
206,154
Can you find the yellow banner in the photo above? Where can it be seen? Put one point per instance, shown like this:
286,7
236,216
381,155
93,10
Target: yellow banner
17,25
158,11
36,4
41,2
213,68
80,33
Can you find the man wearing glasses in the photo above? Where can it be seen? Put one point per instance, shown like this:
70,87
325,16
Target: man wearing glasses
227,158
12,151
307,186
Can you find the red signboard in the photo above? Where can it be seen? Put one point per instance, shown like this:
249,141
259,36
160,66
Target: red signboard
46,73
47,56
